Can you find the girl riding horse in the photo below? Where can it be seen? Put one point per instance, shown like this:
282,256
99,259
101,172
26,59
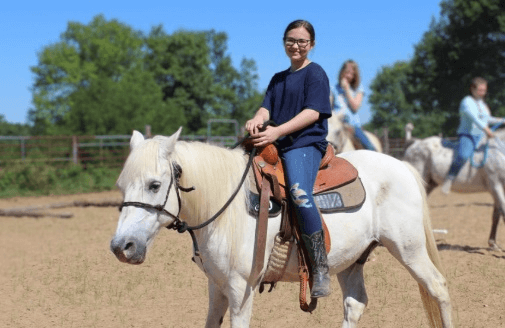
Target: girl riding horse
297,101
475,118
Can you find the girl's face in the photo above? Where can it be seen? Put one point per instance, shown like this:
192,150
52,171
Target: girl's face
479,91
295,52
348,73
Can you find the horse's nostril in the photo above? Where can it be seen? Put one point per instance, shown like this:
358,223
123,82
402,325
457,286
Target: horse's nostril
129,245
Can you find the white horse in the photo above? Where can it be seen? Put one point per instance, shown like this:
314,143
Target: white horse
432,157
342,138
394,214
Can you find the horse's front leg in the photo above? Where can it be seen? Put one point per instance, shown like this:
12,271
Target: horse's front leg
240,297
494,228
218,305
355,298
498,210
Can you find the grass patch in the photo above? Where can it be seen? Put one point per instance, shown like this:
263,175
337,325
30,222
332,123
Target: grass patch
42,180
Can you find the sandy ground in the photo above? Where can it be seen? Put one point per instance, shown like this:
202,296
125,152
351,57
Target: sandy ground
60,273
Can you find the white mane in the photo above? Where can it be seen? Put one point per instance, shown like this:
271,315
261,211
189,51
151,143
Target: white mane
215,173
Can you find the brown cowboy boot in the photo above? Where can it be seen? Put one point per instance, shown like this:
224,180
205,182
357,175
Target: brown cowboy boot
319,262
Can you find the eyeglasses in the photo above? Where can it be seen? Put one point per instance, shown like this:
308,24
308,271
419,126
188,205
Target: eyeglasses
302,43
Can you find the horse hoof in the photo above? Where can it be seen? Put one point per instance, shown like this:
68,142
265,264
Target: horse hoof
493,246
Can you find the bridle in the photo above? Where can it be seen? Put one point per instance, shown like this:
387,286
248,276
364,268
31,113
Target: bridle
161,207
179,225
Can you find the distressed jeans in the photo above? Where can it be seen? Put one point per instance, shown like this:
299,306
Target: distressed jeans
300,167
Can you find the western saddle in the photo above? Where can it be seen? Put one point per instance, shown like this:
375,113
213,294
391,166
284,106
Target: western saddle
334,172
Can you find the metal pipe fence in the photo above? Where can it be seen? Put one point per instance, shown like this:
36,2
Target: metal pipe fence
110,151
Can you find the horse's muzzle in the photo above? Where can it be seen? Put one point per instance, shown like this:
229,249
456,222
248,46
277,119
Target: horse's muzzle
128,250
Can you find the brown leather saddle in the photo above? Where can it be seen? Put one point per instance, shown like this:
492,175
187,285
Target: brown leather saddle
334,172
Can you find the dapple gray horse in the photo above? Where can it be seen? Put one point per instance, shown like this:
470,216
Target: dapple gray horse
433,156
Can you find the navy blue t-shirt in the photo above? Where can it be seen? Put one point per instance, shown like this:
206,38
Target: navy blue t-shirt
291,92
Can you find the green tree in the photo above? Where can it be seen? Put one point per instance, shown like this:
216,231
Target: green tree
235,92
105,78
388,101
94,82
13,129
180,65
196,74
391,107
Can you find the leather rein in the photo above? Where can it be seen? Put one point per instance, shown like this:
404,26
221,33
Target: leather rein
179,225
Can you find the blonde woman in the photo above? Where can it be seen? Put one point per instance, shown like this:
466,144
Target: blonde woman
348,96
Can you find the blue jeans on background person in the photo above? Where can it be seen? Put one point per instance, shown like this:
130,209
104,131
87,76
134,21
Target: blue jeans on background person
466,147
361,136
300,167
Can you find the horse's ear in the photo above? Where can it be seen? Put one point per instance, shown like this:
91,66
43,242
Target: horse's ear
168,144
136,138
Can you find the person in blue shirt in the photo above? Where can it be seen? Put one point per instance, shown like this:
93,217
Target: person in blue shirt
475,118
347,98
297,101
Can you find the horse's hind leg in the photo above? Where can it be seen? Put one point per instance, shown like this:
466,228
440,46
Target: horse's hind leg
355,298
218,304
417,261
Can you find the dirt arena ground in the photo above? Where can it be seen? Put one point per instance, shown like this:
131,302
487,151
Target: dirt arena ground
60,273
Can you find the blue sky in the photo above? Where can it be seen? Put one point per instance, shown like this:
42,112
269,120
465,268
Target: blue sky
373,33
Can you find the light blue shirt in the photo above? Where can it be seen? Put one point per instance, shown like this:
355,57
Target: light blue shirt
340,104
475,116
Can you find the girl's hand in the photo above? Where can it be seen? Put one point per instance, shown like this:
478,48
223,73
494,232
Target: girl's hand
266,137
344,83
489,133
254,125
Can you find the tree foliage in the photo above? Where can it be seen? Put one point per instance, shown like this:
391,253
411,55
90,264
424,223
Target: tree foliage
13,129
106,78
468,40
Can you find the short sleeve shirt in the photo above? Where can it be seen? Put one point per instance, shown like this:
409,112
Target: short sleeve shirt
289,93
340,103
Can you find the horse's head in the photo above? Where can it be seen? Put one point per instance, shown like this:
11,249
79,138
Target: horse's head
149,182
337,135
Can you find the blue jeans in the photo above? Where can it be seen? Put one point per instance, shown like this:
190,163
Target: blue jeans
300,168
361,136
466,147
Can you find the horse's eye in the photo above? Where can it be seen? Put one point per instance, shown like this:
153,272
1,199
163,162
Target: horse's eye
155,186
